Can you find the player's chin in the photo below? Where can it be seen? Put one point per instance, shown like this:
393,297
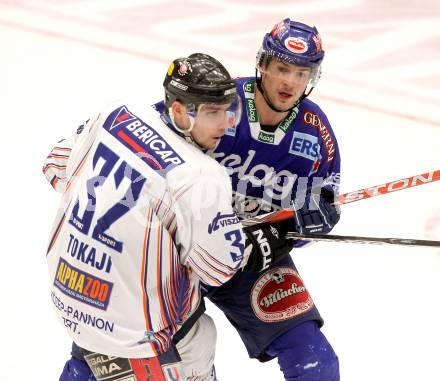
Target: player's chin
284,104
285,101
212,143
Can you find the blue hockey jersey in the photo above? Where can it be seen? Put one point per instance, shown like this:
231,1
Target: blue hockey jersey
270,170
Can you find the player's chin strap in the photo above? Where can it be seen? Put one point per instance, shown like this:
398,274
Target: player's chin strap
270,104
186,134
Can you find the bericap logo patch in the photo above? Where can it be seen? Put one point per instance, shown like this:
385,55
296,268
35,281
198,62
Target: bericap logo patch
123,116
82,286
142,139
305,145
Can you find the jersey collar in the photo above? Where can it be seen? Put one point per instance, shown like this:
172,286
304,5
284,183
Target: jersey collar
257,132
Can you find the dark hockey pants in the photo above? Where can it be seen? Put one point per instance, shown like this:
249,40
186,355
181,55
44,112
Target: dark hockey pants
304,354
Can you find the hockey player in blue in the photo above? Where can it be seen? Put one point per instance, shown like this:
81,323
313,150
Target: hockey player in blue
283,153
282,150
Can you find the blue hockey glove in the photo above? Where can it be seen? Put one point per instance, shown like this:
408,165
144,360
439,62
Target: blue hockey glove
318,214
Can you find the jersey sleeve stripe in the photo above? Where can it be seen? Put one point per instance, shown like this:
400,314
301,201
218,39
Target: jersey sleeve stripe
173,283
157,205
55,166
204,275
185,294
58,156
211,266
162,340
169,297
226,268
181,191
171,230
54,181
148,325
163,308
64,149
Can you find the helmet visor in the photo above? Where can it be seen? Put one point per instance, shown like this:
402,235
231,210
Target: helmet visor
296,75
228,114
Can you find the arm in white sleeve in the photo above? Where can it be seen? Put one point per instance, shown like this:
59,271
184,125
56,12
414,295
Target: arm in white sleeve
54,167
210,234
56,163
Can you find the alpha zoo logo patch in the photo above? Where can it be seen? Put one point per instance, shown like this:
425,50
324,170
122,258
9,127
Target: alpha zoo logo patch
279,295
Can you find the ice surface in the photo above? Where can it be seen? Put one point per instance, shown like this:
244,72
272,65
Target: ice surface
63,60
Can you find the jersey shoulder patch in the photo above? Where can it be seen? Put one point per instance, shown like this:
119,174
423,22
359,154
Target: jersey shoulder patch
142,139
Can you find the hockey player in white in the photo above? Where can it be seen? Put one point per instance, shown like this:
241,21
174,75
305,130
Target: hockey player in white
144,218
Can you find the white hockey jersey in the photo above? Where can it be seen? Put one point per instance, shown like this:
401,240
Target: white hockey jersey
144,217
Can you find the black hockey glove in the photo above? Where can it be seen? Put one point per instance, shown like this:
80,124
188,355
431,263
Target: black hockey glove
318,214
266,244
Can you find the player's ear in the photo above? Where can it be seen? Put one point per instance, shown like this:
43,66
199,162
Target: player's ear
179,110
180,117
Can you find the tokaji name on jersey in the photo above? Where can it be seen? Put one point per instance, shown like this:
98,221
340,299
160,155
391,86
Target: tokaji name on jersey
89,255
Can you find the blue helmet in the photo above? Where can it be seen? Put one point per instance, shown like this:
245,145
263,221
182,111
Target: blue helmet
292,42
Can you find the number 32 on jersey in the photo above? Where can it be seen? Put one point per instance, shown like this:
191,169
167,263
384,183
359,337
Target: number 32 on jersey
83,221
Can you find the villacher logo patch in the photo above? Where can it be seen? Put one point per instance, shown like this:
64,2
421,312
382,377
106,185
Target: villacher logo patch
279,295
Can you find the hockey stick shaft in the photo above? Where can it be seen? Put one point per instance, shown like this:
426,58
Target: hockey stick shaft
377,190
363,240
393,186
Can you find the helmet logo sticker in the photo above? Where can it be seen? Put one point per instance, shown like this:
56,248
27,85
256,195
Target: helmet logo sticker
296,45
178,85
184,67
170,69
318,42
279,29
